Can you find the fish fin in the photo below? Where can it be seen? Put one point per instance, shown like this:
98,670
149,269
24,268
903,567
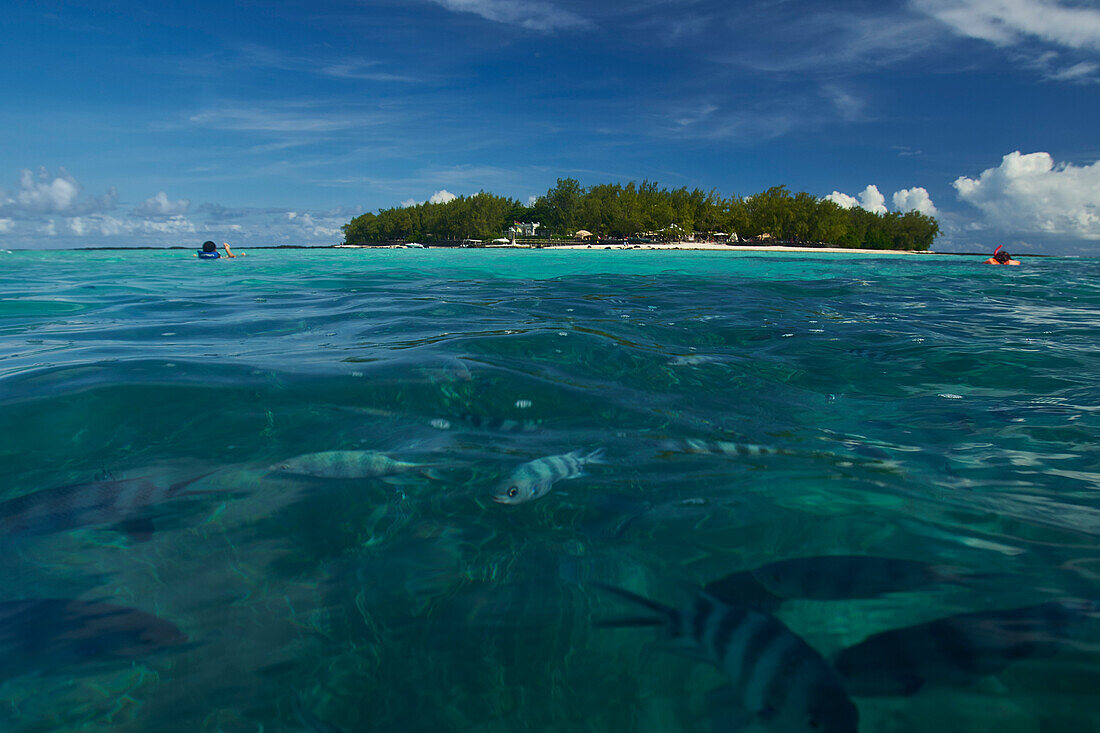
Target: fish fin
430,473
402,479
139,529
180,485
667,613
742,589
596,456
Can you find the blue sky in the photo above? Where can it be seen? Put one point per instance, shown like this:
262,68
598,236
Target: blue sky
273,123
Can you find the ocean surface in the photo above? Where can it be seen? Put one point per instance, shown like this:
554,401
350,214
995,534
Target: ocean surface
260,494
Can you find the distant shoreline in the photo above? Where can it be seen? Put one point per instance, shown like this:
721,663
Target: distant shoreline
696,246
684,246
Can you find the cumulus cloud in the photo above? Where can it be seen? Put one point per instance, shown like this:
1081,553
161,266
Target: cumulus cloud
160,206
109,226
442,197
914,199
533,15
869,199
1029,193
842,200
6,225
218,212
439,197
41,194
872,200
1006,22
310,227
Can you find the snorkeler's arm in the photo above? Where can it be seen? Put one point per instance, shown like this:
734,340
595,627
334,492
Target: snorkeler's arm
228,252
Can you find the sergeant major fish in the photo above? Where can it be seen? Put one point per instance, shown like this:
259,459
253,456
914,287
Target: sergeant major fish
125,502
498,424
54,634
958,650
718,447
827,578
776,677
348,464
534,479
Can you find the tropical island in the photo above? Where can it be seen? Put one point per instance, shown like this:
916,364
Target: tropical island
643,212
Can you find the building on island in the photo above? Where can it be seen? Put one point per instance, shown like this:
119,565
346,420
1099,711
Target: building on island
524,229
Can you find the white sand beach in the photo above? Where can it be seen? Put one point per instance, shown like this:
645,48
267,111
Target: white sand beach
717,246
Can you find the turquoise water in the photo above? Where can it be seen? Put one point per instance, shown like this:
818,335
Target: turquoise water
920,408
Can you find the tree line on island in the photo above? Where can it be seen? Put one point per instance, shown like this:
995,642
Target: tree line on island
617,211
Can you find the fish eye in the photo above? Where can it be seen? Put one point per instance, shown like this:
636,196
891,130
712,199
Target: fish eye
512,491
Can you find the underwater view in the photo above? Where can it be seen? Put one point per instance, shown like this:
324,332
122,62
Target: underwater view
536,490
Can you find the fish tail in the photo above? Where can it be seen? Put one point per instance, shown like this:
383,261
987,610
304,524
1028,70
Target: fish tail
665,615
431,473
596,456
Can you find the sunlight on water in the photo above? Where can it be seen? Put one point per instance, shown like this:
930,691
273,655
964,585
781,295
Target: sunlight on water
272,493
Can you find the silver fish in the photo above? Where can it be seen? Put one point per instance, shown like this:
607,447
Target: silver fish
534,479
776,677
125,502
348,464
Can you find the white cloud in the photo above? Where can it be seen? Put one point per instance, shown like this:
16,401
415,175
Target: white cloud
42,194
442,197
6,225
914,199
842,200
533,15
872,200
300,118
1080,72
1029,193
408,202
109,226
310,228
161,206
1006,22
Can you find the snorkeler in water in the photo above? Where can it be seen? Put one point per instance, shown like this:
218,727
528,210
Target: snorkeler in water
1001,257
209,251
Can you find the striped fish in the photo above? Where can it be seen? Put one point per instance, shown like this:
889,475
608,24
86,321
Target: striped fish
499,424
59,634
348,464
534,479
958,650
718,447
829,578
776,678
126,503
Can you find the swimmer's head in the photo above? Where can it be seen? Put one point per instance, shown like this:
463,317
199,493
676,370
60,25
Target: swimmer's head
209,246
1002,256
